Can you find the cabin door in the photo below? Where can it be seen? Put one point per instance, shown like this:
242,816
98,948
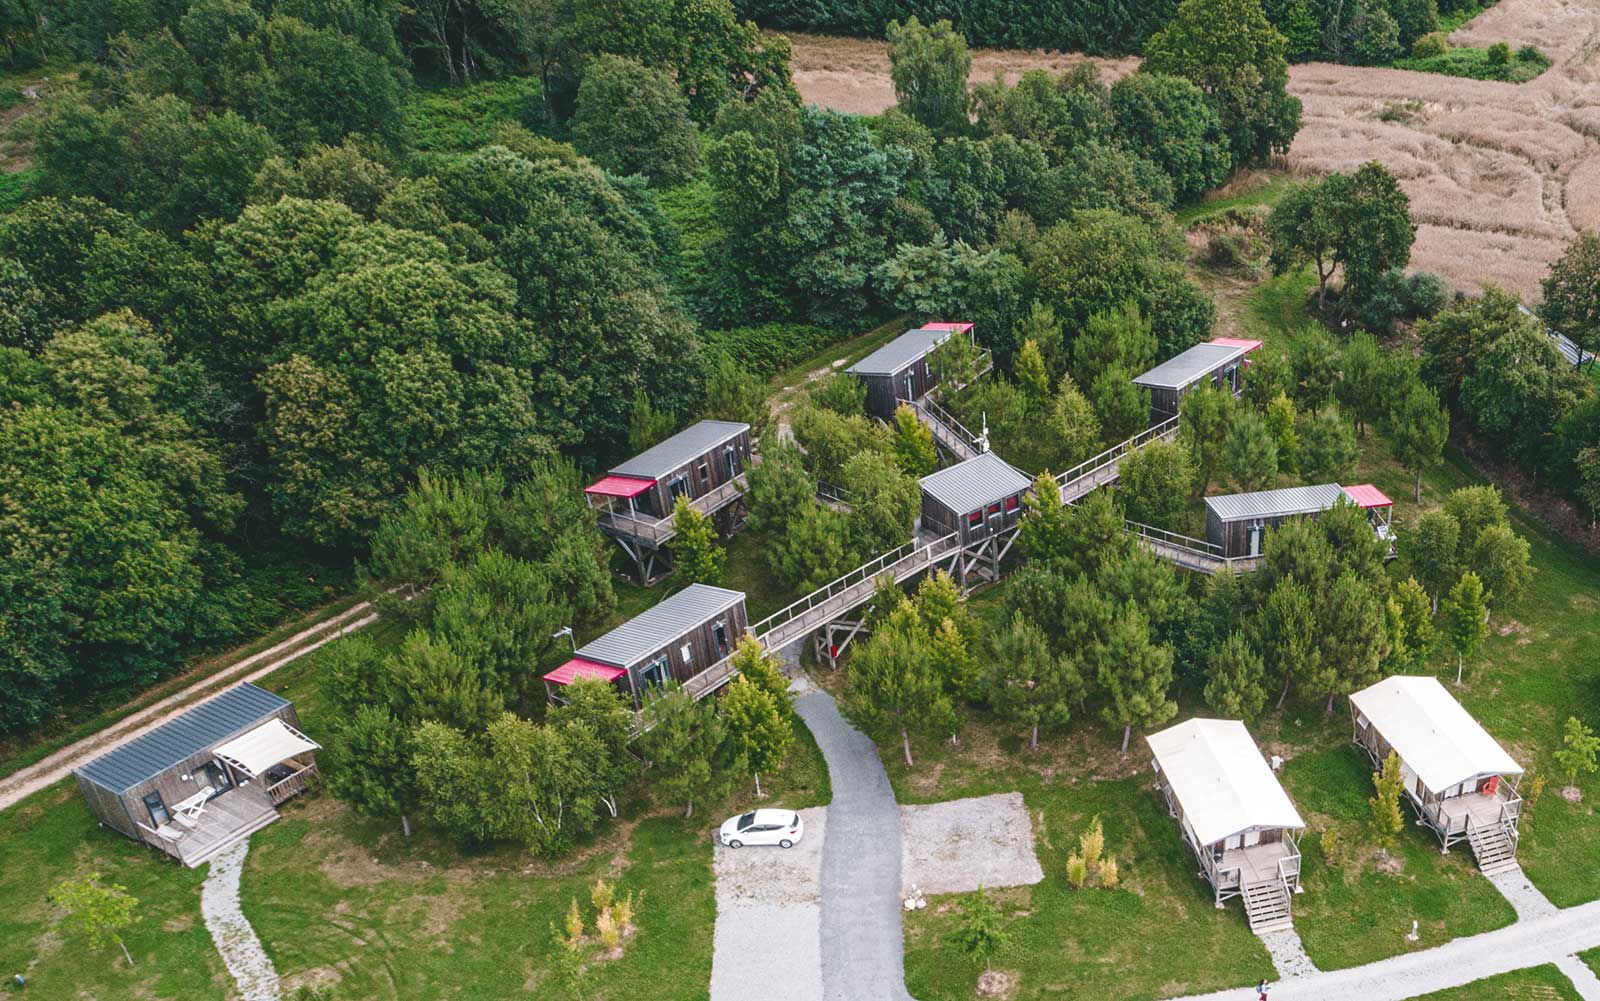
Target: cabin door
1236,841
1252,839
719,633
158,809
216,777
1255,535
677,488
730,460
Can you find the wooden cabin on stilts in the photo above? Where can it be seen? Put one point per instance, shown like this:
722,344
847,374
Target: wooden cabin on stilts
980,500
1461,783
1234,816
1238,524
1219,363
901,370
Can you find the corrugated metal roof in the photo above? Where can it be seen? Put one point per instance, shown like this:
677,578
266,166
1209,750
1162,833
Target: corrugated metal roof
200,729
975,483
683,447
1272,503
651,629
900,352
1183,369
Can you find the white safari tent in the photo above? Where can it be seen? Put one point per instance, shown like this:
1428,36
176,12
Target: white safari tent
1460,781
1233,813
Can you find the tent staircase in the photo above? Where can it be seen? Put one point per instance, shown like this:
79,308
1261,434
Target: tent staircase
1493,845
1266,904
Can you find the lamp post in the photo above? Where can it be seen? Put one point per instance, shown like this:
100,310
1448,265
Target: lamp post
567,632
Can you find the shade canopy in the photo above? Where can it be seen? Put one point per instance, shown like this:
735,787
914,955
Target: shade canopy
1220,779
1368,496
619,486
1237,342
271,743
577,668
1431,732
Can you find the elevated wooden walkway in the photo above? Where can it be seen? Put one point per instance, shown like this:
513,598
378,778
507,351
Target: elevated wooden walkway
1090,474
949,435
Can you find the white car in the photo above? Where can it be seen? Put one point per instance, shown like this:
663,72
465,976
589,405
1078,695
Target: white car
763,827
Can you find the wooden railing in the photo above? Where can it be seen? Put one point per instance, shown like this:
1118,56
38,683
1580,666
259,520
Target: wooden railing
291,785
946,429
711,679
660,531
1102,469
854,588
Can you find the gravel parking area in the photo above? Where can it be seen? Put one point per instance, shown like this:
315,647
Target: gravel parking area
769,902
957,846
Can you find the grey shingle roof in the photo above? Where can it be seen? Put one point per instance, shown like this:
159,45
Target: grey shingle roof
1271,503
900,352
1182,369
685,446
981,480
200,729
653,628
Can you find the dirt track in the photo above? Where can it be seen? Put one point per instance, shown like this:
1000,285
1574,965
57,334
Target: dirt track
1500,175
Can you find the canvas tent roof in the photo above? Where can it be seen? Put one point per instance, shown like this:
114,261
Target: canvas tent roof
653,628
981,480
1431,732
1218,775
175,741
1184,368
274,741
902,351
682,448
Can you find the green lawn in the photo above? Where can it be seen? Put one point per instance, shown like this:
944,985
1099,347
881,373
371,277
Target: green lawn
1541,983
1359,909
1475,64
1265,189
1592,957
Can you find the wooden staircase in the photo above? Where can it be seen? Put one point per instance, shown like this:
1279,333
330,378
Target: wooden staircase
1266,904
1493,846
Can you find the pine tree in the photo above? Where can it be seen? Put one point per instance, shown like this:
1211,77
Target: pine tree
1075,430
979,934
1135,674
1250,452
1281,418
1433,549
1044,531
778,490
1386,818
687,741
1352,636
914,451
1418,429
1027,683
892,687
1236,679
1465,611
1030,372
1287,634
646,424
1417,633
736,394
697,559
752,662
1578,751
1207,417
760,729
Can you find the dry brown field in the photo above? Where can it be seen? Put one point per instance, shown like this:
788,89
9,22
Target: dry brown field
1500,175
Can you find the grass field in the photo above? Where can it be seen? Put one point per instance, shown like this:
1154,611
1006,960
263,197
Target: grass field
1541,983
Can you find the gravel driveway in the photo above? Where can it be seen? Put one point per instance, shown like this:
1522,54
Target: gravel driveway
957,846
862,943
768,905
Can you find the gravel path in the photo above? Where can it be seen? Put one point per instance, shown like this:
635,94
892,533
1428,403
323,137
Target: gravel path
236,940
957,846
1532,942
1582,977
768,909
1288,954
1514,885
861,939
47,772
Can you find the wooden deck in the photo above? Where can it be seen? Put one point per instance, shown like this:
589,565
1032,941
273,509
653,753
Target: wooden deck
1258,863
227,819
1484,810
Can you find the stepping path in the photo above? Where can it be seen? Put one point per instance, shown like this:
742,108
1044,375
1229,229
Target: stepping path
241,950
1520,892
1582,977
863,947
1553,938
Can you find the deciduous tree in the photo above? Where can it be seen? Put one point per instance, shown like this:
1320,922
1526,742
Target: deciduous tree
632,119
761,731
1465,611
929,65
1572,296
697,559
1384,805
101,911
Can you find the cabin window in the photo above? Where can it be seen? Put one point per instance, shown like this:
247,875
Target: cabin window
655,674
677,488
687,653
1012,503
158,809
216,776
705,474
975,518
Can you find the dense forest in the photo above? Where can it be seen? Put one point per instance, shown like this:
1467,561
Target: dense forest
278,258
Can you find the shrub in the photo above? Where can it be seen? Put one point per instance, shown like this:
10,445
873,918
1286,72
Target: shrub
632,119
1077,871
1108,874
1378,39
1499,54
601,894
769,348
1426,294
1332,847
1430,45
1530,54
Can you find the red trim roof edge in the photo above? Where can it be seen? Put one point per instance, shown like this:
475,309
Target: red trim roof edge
619,486
1237,342
577,667
1368,496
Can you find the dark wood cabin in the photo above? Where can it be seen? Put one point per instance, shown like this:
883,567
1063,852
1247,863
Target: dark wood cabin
686,638
1221,362
692,463
1459,780
899,370
979,498
198,784
1238,523
1233,813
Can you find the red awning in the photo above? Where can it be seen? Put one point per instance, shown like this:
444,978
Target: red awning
959,327
577,667
619,486
1237,342
1368,496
